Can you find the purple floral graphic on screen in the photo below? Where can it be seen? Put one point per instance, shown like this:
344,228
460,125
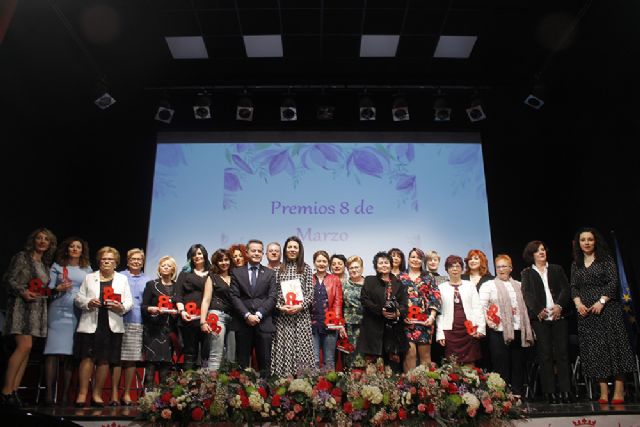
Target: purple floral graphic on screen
404,152
168,158
327,156
467,160
264,161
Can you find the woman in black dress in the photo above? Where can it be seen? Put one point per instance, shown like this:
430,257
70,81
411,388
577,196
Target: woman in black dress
604,344
188,297
160,336
384,307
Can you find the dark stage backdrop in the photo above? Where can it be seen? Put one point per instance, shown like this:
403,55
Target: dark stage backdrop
547,173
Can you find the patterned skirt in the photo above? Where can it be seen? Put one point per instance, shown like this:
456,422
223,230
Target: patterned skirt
132,342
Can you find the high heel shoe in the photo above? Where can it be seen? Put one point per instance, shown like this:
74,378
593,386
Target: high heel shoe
79,404
617,401
97,404
603,401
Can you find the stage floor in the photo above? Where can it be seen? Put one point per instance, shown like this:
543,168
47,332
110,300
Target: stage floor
537,411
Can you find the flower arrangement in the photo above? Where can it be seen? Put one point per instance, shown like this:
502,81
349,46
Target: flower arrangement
370,394
183,398
464,395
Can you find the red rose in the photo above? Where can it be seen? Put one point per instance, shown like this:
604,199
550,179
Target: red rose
262,392
197,414
347,408
366,404
234,374
166,397
206,403
336,393
453,389
431,408
275,401
454,377
323,385
402,414
422,393
244,401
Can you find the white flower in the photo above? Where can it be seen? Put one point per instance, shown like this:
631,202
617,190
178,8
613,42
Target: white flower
372,394
471,400
406,398
302,386
256,401
495,381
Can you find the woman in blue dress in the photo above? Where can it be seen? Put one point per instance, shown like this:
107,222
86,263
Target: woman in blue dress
66,275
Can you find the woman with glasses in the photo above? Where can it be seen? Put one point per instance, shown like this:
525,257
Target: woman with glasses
104,297
509,331
461,322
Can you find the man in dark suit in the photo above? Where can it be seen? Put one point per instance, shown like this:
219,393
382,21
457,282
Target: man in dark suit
253,294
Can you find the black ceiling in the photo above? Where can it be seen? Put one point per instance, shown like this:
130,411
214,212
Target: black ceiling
63,49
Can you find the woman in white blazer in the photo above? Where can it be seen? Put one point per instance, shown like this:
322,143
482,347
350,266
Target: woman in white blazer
461,323
104,297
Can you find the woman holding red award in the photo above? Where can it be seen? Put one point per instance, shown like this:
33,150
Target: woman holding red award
67,274
424,304
159,316
326,316
26,308
461,322
292,349
104,297
508,327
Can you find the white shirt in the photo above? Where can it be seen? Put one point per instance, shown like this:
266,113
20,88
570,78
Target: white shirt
547,290
489,295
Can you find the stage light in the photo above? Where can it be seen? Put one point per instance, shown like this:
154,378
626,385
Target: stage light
104,101
165,112
475,112
441,112
288,110
244,109
400,109
325,109
202,107
367,109
534,102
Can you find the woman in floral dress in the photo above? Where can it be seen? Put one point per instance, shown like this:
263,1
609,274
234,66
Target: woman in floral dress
424,305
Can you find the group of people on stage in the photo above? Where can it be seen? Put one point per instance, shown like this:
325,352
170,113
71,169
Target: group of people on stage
292,316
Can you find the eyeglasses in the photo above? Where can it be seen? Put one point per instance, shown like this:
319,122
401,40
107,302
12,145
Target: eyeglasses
502,266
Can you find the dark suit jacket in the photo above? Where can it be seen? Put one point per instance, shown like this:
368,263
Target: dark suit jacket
374,336
261,298
533,290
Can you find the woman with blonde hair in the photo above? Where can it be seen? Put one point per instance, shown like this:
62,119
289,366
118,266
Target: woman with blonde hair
159,315
26,279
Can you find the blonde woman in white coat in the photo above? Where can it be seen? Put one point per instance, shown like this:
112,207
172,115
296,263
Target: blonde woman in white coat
461,323
104,297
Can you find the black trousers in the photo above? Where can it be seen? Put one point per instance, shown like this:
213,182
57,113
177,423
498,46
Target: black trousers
193,339
248,338
508,359
552,351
